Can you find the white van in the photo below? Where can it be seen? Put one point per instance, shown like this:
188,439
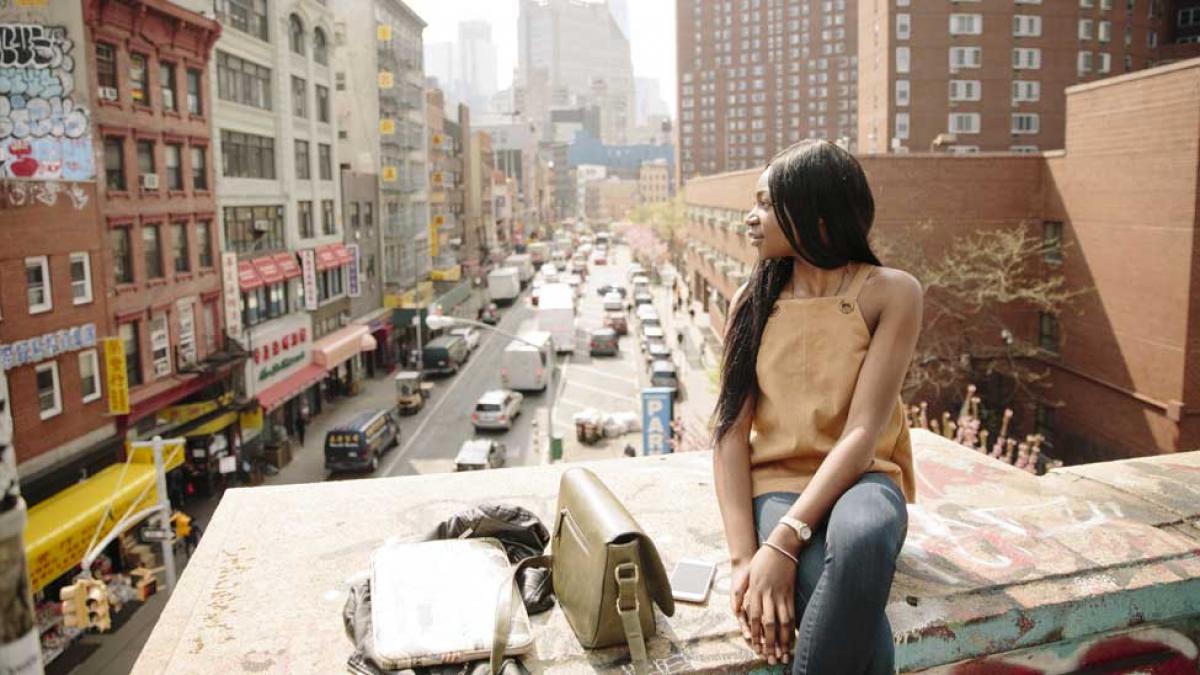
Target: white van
524,368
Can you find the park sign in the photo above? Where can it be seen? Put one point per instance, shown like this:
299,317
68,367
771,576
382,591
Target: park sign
656,420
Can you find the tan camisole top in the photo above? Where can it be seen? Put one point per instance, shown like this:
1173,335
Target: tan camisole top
811,352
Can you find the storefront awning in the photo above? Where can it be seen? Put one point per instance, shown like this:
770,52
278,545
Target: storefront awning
214,425
275,395
268,269
60,528
340,345
327,257
288,265
344,255
248,277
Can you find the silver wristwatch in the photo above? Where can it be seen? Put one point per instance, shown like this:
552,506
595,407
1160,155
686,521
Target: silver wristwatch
801,528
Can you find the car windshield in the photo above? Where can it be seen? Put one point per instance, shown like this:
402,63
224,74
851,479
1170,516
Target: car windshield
488,407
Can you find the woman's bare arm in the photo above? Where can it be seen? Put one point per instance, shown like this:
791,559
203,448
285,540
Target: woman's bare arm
731,475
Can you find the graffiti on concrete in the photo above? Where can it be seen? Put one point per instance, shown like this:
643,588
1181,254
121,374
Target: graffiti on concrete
15,194
44,133
1151,651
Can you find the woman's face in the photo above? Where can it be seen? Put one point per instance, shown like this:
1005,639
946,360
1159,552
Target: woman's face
762,228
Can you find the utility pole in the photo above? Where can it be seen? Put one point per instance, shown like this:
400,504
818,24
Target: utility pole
164,514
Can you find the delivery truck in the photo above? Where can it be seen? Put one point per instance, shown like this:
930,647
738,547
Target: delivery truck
525,364
556,315
504,285
524,264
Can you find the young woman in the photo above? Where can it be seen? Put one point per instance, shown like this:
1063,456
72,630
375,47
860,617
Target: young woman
813,463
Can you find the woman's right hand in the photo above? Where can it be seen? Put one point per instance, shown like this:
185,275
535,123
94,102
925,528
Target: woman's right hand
739,583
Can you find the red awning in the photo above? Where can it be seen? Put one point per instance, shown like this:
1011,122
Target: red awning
326,257
248,278
288,265
268,270
345,255
277,394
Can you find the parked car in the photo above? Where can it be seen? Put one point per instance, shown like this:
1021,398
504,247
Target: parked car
663,374
652,333
603,342
496,409
444,355
634,271
490,314
657,350
617,322
644,311
600,259
643,299
470,335
613,302
358,444
480,453
612,288
651,322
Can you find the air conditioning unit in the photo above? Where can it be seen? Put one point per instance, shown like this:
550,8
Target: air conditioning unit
149,181
262,225
108,93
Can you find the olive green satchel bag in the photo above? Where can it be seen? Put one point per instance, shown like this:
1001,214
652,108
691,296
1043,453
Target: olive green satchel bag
606,572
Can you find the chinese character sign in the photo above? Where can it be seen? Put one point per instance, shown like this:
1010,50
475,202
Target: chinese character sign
355,271
308,263
232,294
118,380
656,421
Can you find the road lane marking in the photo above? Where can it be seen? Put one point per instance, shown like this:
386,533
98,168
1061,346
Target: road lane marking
604,392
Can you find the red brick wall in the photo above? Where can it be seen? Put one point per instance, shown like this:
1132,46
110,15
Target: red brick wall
56,230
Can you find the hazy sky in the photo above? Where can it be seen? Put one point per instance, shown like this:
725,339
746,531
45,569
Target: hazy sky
652,23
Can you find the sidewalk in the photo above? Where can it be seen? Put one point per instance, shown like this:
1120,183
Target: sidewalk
699,368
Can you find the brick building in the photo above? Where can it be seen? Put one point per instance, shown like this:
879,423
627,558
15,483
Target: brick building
1122,198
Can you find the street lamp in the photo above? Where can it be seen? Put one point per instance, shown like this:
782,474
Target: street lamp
438,322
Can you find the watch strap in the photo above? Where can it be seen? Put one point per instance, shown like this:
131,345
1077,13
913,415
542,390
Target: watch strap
799,527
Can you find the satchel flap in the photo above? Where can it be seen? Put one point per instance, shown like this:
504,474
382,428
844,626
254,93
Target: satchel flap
601,518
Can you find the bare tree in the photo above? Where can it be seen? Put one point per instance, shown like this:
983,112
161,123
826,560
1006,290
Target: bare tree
978,289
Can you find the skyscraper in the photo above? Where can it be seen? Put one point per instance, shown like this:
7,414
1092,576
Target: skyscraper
476,63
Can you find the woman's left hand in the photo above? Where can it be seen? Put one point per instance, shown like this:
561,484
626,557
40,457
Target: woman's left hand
769,604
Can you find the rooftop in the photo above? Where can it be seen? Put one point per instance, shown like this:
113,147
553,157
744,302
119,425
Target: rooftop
999,566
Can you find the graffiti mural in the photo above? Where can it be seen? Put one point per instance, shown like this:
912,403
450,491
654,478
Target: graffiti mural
44,133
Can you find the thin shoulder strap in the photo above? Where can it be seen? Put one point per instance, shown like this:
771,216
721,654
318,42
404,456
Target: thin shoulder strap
856,283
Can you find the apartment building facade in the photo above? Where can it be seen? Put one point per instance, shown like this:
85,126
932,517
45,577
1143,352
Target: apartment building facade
654,184
973,76
756,76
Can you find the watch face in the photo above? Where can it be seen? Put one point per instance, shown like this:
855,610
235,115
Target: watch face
805,533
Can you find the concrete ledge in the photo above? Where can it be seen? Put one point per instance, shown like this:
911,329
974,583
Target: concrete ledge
999,565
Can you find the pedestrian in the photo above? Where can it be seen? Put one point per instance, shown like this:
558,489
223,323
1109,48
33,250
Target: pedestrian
816,546
300,425
692,312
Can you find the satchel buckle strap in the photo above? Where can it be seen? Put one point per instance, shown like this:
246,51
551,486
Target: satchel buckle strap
628,608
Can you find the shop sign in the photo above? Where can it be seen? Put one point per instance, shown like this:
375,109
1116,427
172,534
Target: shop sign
387,126
160,345
280,365
118,380
656,421
233,295
187,332
36,349
308,266
150,534
355,284
290,346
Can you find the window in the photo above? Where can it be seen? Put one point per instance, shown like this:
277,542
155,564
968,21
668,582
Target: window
1048,332
37,284
248,16
1151,38
1023,149
1025,123
174,166
199,169
1189,17
329,284
902,125
1027,58
299,97
1043,423
247,155
49,395
1085,29
296,35
902,59
89,375
328,226
179,248
964,123
368,219
106,66
303,170
1083,64
166,85
1027,25
242,81
1105,63
1026,90
322,104
965,90
903,26
253,228
122,252
133,353
81,278
160,345
1104,31
152,251
1087,3
902,92
194,102
145,159
137,80
305,216
1052,241
254,306
114,164
325,161
965,57
320,49
204,245
966,24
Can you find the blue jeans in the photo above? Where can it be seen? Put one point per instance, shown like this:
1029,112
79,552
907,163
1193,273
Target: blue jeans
844,578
